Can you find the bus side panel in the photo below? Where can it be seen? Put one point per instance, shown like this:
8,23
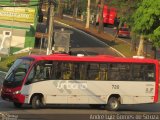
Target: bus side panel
159,96
48,89
91,92
130,92
157,84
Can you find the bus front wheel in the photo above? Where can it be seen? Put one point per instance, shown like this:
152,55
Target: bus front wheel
17,105
36,102
113,104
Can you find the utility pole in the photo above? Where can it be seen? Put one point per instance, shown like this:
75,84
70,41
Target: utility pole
50,29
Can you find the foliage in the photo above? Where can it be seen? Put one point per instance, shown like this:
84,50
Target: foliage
83,5
70,5
18,2
14,49
30,37
155,37
147,20
8,60
125,9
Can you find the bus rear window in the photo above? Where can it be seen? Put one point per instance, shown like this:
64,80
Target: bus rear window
144,72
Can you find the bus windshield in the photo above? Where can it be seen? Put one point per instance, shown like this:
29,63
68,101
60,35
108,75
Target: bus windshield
18,71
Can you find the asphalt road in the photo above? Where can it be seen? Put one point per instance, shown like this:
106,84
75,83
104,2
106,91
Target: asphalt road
81,112
81,43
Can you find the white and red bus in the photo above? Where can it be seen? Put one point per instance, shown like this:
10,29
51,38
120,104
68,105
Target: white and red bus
94,80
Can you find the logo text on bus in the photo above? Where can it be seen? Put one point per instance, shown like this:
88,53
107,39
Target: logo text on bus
70,85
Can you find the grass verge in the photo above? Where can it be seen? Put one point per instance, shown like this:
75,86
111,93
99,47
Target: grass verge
7,60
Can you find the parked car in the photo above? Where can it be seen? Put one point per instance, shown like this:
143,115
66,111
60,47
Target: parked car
124,32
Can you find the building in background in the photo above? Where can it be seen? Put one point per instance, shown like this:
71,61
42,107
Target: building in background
17,25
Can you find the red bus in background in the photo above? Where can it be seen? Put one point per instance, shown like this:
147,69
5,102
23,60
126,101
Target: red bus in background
109,15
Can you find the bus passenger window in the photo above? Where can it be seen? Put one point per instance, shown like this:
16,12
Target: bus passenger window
143,72
113,72
67,71
103,74
82,70
56,70
93,71
43,71
39,75
150,70
77,71
119,72
47,72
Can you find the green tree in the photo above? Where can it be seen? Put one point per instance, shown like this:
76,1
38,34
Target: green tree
147,22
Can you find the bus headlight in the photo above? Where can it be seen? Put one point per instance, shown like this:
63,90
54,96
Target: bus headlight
17,92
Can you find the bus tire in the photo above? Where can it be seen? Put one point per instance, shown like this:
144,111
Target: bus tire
36,102
113,104
17,105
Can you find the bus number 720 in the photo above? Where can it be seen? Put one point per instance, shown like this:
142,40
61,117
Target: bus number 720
115,86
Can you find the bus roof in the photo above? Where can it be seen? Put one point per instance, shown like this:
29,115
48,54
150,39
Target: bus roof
97,58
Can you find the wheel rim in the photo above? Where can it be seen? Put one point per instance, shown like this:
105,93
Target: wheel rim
37,102
114,104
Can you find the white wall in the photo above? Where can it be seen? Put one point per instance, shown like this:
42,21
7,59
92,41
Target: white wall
17,38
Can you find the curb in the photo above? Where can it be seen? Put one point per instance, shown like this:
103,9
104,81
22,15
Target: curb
91,36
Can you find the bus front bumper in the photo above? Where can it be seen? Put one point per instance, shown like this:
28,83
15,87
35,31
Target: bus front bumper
19,98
